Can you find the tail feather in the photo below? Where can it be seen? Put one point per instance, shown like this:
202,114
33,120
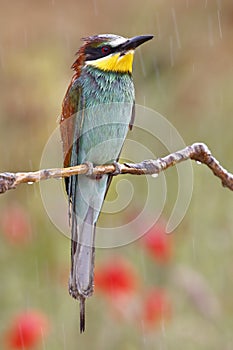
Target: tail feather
82,262
82,314
87,196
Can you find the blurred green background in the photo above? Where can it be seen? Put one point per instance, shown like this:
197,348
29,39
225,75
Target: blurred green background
186,74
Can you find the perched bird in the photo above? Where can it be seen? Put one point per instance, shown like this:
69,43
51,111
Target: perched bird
97,111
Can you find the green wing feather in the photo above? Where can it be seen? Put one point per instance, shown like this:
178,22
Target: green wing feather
130,128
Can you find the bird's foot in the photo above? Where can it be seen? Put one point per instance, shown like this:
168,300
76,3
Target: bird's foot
90,168
117,170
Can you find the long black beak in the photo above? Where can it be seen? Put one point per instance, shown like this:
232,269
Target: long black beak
134,42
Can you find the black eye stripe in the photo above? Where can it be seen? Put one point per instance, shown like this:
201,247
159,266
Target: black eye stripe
93,53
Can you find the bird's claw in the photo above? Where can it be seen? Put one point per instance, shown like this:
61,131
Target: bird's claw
117,170
90,168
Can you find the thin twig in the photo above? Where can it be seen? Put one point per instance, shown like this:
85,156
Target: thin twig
198,152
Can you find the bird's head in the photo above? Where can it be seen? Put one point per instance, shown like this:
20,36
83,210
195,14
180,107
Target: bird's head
109,52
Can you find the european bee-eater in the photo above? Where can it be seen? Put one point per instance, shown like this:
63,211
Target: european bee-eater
97,111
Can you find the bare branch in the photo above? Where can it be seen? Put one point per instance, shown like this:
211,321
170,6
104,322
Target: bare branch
198,152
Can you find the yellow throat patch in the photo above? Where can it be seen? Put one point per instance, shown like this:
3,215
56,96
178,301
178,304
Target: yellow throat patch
115,62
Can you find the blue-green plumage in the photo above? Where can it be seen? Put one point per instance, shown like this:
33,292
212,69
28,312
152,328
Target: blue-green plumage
101,124
98,110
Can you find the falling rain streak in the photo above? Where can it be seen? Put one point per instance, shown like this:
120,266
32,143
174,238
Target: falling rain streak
219,24
210,31
95,7
171,51
158,27
176,28
142,63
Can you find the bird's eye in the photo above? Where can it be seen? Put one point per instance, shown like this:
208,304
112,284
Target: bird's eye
105,50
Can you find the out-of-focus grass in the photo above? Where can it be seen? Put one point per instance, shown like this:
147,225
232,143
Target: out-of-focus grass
185,73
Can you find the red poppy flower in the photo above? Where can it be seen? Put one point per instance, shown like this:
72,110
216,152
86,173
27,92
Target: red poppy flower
115,277
156,307
27,330
16,225
158,243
